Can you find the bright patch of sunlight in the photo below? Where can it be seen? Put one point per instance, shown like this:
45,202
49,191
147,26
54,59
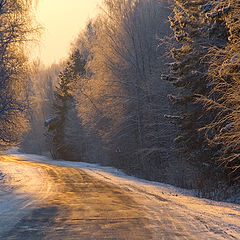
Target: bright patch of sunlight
62,21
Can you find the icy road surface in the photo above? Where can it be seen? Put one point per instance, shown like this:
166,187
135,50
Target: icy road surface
45,199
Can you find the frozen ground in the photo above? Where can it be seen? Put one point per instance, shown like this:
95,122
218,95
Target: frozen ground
20,188
173,213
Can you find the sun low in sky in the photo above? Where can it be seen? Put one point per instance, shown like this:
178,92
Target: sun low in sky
62,21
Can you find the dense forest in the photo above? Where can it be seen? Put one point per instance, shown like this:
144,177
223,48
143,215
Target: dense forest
150,87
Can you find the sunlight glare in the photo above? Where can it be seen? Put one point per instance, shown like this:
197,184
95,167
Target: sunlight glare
62,21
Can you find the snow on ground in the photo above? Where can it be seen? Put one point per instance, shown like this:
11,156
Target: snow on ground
210,219
102,172
19,191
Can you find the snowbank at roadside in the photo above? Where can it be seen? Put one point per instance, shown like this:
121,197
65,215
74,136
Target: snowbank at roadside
97,170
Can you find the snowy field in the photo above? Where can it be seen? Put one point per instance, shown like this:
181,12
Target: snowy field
166,205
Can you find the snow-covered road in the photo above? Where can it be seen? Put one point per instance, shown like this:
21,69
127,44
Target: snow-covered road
45,199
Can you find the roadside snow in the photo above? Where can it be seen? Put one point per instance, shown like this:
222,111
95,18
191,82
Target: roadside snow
106,173
20,189
167,206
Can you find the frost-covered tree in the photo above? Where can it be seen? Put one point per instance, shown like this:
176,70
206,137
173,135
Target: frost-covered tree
16,29
40,97
223,100
198,27
124,97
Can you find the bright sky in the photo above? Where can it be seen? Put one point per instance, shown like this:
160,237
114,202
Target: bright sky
62,20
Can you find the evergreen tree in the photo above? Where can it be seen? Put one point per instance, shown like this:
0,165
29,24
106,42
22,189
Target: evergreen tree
196,31
64,103
223,100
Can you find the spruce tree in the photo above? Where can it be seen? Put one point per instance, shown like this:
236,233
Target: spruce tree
196,30
62,146
223,100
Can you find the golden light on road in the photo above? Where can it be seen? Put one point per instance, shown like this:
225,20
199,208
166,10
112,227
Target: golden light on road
62,21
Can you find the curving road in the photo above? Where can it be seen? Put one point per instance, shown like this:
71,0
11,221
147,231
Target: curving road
72,205
43,201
